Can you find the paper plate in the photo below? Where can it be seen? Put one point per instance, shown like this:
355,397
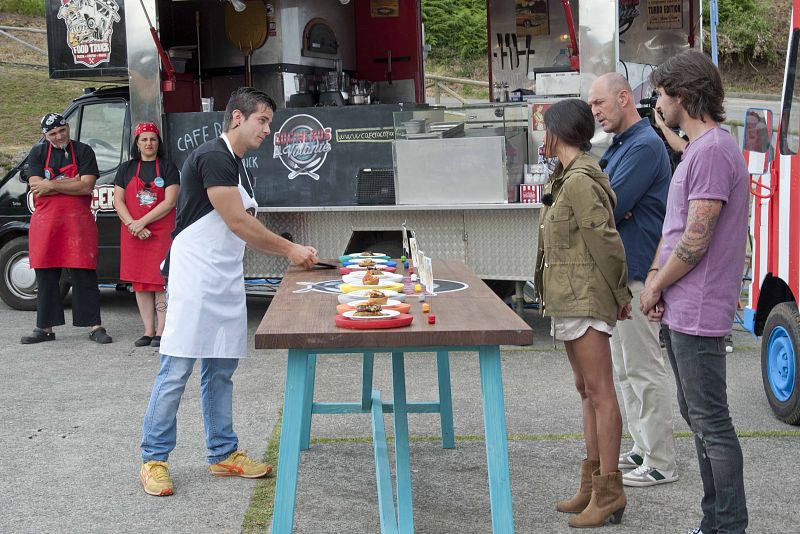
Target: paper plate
358,277
364,293
355,261
347,288
385,314
389,302
357,267
371,255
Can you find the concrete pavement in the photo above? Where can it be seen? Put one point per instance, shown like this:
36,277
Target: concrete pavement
71,413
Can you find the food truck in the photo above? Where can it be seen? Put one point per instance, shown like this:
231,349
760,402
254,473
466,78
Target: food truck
774,274
355,152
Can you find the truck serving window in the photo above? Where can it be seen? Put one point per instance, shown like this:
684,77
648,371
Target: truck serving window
790,119
101,127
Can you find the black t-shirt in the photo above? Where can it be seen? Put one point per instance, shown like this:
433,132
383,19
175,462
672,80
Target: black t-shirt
211,164
147,172
87,163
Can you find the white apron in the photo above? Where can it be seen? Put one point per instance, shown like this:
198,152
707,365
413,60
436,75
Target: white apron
206,305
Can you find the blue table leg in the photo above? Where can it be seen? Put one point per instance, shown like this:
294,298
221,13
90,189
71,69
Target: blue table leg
366,379
383,474
289,452
494,424
405,507
445,399
308,401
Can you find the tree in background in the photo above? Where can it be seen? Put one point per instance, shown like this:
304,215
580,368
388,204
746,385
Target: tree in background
748,30
455,29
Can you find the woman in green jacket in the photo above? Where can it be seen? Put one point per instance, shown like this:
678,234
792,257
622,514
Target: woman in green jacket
581,279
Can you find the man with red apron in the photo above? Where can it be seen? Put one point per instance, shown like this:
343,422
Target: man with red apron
63,232
206,311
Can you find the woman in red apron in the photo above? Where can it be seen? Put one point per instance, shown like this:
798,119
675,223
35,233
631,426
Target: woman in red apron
145,192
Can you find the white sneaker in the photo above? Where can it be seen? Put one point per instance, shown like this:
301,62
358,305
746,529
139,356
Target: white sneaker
695,531
648,476
629,460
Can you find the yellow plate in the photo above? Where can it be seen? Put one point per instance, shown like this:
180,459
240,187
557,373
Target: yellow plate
349,288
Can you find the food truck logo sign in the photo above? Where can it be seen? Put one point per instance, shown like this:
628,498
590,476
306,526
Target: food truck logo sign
90,24
302,144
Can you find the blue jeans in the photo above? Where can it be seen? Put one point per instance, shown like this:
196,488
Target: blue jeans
699,366
216,398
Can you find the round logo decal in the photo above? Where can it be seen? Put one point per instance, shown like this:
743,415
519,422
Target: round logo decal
159,181
302,144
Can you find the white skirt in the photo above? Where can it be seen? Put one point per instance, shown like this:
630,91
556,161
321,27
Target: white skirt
572,328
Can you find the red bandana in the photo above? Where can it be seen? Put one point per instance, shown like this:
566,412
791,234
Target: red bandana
143,127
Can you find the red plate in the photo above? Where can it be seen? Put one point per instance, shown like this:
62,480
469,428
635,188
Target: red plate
403,319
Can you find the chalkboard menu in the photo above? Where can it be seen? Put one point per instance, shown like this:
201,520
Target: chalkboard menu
312,156
86,39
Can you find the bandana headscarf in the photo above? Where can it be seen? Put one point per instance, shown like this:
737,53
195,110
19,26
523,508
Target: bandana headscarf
143,127
51,121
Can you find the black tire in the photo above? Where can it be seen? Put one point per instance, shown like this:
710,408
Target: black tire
17,285
780,362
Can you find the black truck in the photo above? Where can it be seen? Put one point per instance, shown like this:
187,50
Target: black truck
91,117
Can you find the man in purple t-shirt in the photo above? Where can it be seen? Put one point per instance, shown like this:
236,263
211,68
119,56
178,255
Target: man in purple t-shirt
694,282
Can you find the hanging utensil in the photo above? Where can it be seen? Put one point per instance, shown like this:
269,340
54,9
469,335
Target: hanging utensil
500,44
527,54
247,31
508,47
516,47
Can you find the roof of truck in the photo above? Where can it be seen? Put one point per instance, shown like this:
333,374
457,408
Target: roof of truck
106,91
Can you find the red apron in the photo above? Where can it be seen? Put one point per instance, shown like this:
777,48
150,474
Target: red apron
63,232
140,259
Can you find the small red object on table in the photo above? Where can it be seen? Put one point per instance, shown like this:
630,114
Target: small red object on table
431,318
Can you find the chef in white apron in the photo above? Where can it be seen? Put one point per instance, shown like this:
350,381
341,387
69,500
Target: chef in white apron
206,311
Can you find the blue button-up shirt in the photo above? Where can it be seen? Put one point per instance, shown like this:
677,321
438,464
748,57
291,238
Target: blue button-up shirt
638,165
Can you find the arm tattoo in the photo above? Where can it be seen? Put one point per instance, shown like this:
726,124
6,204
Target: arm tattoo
700,224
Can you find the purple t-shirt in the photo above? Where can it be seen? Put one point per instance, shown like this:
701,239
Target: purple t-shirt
703,302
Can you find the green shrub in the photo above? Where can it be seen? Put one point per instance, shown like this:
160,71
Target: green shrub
23,7
455,29
743,32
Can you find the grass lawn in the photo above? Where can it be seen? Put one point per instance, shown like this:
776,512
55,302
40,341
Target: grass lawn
27,94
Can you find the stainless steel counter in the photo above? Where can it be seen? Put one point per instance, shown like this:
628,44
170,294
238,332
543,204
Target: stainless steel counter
393,207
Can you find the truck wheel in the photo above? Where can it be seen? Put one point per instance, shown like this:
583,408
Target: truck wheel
18,283
780,362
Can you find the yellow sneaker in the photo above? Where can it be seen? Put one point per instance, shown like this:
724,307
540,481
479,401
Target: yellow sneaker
238,464
155,479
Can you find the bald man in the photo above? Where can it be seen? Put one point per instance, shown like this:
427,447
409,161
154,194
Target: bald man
638,165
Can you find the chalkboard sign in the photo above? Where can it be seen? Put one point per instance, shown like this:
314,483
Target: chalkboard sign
312,156
86,39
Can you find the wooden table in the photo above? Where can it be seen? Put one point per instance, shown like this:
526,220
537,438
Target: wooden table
473,319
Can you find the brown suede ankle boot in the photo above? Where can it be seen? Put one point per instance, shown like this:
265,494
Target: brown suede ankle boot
581,499
607,503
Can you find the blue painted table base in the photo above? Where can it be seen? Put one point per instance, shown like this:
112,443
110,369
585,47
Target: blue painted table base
296,432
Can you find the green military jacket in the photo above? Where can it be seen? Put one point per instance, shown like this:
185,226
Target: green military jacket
580,267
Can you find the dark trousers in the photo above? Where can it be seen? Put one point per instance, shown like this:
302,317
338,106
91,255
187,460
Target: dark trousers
85,298
699,366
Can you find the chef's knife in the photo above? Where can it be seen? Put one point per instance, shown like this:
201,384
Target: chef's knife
500,44
516,47
508,47
527,54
